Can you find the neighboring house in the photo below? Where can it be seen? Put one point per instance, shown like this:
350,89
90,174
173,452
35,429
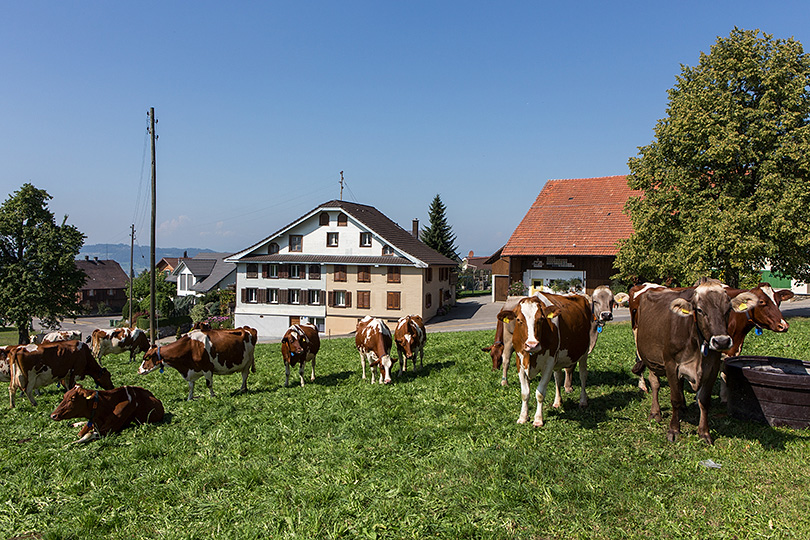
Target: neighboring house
335,265
570,232
203,273
166,266
106,284
476,272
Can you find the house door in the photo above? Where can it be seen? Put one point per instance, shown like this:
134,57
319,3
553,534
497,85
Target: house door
295,320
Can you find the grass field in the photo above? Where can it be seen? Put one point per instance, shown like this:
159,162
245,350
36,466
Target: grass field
436,454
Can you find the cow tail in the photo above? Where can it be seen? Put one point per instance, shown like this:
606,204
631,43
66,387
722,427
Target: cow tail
18,376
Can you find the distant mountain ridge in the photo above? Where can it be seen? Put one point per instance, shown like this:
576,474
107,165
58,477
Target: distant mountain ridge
120,254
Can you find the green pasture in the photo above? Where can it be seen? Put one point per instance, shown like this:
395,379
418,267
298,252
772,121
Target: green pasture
436,454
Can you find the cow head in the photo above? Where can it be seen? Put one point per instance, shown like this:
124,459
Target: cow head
709,306
200,325
103,379
151,361
496,353
766,313
77,403
295,340
603,301
533,316
405,336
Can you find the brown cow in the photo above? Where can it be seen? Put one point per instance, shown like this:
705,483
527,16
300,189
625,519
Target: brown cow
205,353
373,342
681,334
119,340
59,335
34,366
551,333
410,337
108,410
299,345
5,363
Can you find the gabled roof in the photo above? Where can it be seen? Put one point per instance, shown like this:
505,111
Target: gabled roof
209,270
582,216
376,222
102,274
168,262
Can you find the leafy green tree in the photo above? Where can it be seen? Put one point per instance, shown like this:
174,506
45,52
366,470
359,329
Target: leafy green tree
164,294
439,235
725,181
38,274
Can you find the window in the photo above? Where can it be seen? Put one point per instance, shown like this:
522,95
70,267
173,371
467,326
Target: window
364,299
252,271
314,271
365,239
272,271
428,274
296,242
393,274
331,239
323,219
250,295
340,299
314,297
393,299
273,248
294,296
428,300
272,296
387,250
91,292
342,220
363,275
295,271
340,272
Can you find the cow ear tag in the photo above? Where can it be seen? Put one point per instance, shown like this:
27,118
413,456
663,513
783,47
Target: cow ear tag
506,319
743,307
704,349
599,330
685,311
758,331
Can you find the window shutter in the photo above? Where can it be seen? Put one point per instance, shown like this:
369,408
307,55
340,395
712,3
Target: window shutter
284,271
331,299
265,270
261,296
282,296
348,299
244,296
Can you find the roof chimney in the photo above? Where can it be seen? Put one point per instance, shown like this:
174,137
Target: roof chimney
87,257
471,255
415,228
185,254
95,259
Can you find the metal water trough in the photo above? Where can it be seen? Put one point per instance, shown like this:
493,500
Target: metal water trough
769,389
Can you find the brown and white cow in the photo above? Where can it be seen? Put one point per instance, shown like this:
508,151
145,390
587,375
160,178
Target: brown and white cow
5,363
551,333
300,345
34,366
602,304
205,353
410,337
119,340
373,341
59,335
108,410
681,334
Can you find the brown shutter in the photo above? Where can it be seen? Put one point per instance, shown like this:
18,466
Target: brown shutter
282,296
265,270
348,299
261,296
284,271
330,299
244,296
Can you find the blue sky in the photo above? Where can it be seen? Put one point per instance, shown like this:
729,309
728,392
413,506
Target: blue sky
260,105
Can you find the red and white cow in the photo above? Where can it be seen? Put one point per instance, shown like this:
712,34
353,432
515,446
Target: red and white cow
681,334
206,353
5,363
59,335
300,345
119,340
551,333
34,366
410,337
108,410
373,341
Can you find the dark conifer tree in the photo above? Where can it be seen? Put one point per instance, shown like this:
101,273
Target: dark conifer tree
439,235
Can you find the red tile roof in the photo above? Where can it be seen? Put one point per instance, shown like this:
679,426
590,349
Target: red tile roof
582,216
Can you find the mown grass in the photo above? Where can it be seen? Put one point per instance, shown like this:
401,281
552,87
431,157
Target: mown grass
436,454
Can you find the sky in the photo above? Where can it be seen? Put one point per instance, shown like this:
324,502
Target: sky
261,105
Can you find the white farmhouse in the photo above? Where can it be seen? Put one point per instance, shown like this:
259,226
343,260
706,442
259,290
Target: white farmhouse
335,265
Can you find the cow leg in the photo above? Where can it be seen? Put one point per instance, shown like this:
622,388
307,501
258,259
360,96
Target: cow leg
540,393
363,364
402,360
523,375
583,377
191,390
677,400
286,374
209,382
704,399
245,373
421,357
557,396
312,377
655,409
301,373
506,356
723,386
569,375
29,391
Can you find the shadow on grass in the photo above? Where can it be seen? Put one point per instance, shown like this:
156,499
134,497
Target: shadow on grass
333,379
425,371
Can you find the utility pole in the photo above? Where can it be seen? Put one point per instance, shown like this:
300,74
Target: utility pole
152,325
341,185
131,273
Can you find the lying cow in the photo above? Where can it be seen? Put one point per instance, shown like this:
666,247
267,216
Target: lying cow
300,345
551,333
108,410
410,337
35,366
681,334
205,353
59,335
602,304
373,342
119,340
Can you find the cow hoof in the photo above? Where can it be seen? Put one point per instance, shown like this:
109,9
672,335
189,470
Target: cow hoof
521,421
537,423
504,382
568,389
556,405
655,416
672,436
707,439
583,405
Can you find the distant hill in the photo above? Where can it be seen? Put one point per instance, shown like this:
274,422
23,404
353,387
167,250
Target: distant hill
120,254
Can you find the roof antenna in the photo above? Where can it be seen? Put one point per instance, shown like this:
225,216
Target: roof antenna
341,185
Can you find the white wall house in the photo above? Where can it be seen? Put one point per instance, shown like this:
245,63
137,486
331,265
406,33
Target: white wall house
203,273
335,265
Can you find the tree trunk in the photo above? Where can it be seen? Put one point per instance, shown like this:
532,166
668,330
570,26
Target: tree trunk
23,337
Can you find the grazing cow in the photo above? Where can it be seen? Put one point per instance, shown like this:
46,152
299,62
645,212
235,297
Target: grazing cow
108,410
205,353
5,363
119,340
602,304
551,332
410,337
681,334
300,345
34,366
373,342
59,335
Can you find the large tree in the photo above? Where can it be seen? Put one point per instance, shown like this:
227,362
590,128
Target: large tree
165,292
725,181
38,273
439,235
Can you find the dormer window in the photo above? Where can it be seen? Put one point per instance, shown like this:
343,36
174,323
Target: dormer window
273,248
387,250
323,219
296,242
342,220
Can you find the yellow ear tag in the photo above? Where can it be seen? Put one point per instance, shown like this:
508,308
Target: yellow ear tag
550,315
685,311
743,306
506,319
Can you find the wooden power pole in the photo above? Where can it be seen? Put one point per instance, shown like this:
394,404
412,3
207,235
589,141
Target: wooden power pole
152,264
131,272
